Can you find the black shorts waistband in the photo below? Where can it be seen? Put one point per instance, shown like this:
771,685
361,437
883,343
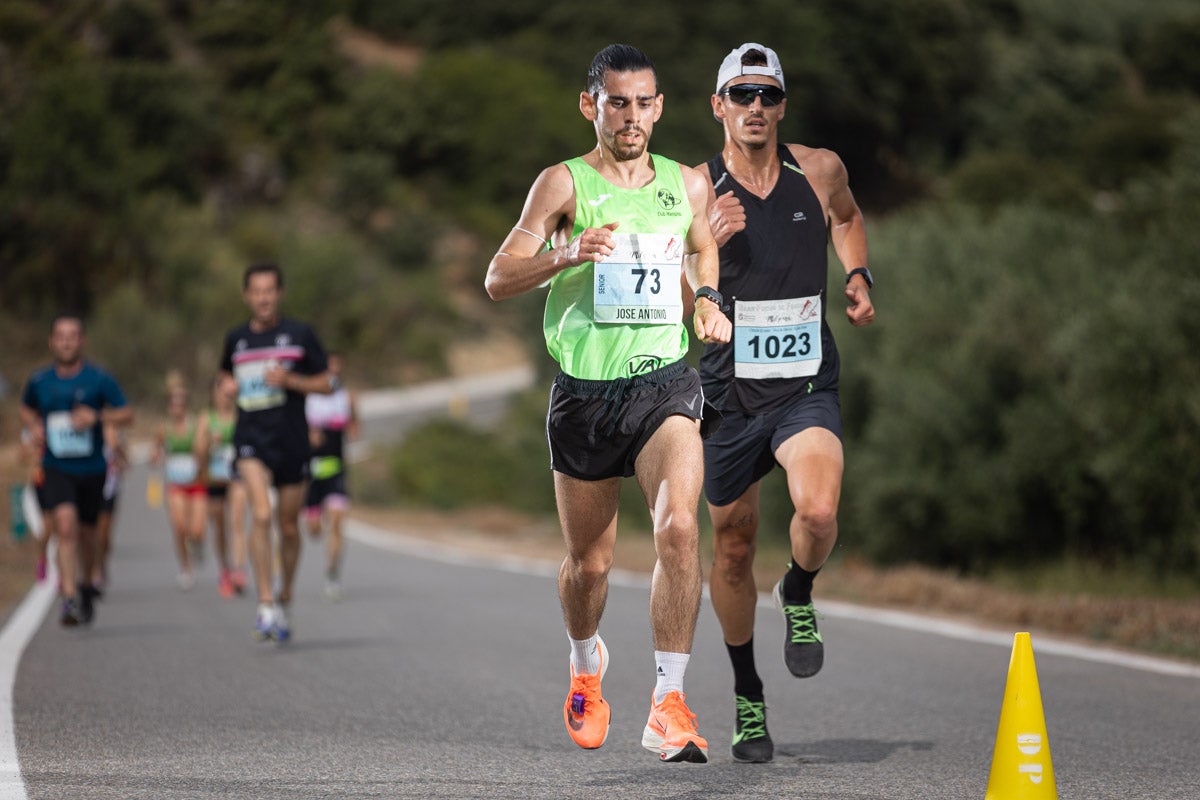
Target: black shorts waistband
582,386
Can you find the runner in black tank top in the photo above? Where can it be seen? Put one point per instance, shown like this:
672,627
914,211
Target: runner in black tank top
773,210
780,254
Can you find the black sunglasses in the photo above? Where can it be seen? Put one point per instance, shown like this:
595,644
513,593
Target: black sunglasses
744,93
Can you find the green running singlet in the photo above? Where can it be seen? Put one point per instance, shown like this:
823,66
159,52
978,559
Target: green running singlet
591,350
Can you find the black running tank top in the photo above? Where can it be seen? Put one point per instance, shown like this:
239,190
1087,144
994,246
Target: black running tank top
781,254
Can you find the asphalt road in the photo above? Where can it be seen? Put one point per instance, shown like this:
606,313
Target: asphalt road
439,676
443,676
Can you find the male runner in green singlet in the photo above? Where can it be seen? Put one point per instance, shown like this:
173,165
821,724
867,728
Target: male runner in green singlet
773,211
610,232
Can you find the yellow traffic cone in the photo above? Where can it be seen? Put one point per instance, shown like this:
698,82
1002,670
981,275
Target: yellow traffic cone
154,490
1021,768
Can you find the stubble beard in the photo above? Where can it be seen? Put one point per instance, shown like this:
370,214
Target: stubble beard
627,152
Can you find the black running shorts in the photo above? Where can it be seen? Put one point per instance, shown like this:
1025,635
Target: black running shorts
597,428
742,451
85,492
286,469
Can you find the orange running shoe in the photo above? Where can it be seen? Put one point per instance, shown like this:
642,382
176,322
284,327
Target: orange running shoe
585,711
671,731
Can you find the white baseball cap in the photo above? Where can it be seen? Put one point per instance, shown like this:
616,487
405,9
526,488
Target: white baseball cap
732,66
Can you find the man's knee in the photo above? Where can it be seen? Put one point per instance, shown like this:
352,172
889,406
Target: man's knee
289,529
733,551
818,516
677,534
591,564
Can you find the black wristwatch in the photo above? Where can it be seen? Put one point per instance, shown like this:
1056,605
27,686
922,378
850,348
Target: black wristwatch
866,273
711,294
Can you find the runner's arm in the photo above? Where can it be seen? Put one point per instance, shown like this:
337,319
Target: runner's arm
353,427
117,416
701,262
848,233
528,257
31,419
307,384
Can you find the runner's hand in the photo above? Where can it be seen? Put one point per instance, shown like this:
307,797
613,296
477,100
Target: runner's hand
711,324
84,417
860,311
594,244
726,217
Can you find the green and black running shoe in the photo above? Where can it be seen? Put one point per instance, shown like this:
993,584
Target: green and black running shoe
803,648
751,742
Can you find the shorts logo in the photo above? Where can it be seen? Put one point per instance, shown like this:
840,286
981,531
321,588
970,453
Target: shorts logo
666,199
640,365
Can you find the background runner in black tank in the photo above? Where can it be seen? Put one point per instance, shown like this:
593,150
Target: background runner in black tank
276,362
771,209
780,253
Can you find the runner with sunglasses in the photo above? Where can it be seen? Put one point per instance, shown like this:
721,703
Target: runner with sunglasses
772,207
611,232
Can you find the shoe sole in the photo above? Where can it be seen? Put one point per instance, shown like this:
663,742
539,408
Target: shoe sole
744,758
690,752
816,660
603,669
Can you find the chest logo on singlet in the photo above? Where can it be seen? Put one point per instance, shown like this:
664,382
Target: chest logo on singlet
667,199
799,217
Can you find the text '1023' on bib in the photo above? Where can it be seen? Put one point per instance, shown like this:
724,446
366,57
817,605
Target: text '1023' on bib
777,338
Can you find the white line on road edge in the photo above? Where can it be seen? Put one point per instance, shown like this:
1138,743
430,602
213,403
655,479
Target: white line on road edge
17,632
409,544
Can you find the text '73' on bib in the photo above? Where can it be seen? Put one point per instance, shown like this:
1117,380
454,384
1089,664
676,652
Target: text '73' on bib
777,338
639,282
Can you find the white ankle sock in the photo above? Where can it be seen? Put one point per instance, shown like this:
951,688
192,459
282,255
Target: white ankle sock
585,655
669,670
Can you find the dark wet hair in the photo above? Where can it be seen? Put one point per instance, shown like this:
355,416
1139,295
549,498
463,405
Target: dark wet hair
754,58
617,58
260,268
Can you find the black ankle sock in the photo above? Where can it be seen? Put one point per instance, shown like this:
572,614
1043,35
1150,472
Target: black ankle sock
745,677
798,584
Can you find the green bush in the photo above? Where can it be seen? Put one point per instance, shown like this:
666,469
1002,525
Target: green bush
1029,385
448,463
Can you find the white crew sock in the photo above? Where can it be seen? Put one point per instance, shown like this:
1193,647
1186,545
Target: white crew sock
669,669
585,655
